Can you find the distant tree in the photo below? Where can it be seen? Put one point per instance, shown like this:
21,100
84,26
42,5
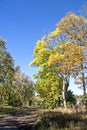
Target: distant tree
24,88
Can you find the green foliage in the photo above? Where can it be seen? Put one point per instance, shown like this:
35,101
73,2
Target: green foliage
25,87
48,82
3,54
48,86
49,103
14,100
70,98
16,88
84,100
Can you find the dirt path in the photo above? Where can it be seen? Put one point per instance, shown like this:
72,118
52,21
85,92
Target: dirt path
26,119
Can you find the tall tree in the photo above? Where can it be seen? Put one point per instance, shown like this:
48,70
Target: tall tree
48,82
75,27
6,71
2,57
65,57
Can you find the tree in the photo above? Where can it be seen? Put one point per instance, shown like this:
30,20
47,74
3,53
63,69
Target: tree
6,72
70,98
2,57
48,85
75,27
23,88
48,82
66,57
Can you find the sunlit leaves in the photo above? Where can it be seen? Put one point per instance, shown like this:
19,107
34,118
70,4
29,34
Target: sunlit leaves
48,83
41,53
75,27
55,33
66,56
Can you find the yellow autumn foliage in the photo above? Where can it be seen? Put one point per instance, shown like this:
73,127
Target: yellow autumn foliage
66,56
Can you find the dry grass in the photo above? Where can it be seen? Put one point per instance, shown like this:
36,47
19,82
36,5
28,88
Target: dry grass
75,110
62,119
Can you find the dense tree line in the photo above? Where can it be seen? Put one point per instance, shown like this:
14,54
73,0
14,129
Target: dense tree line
16,88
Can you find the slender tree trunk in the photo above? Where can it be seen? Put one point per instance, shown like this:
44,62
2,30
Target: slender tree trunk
1,98
63,94
83,81
83,84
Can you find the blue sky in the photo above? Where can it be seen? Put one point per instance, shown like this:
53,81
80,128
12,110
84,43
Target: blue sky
23,22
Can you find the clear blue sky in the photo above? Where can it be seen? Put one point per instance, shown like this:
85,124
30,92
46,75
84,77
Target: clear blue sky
23,22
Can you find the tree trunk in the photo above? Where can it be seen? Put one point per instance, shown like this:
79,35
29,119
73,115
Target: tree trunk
83,80
63,94
83,84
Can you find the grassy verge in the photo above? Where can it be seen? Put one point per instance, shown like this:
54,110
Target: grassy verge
62,120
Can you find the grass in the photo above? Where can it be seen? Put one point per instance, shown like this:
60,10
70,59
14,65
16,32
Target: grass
62,119
75,128
9,110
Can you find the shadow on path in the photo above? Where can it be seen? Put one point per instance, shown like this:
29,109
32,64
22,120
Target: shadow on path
25,120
